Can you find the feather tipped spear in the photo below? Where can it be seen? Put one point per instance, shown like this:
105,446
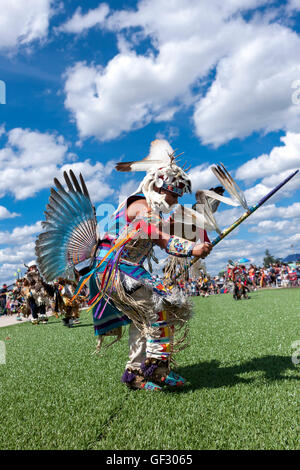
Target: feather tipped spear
246,214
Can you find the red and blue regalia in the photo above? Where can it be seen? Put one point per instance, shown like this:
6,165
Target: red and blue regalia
122,291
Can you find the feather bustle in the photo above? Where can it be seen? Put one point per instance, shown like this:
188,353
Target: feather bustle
70,228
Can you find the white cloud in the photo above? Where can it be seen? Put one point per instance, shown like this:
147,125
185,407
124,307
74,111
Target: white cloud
189,39
17,248
23,21
127,94
169,133
7,271
95,176
81,22
256,193
271,226
20,235
272,169
5,214
281,158
127,189
165,21
289,212
17,255
293,5
252,90
260,190
167,114
270,211
226,217
30,160
202,177
256,63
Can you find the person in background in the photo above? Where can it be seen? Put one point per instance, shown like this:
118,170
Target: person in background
3,299
252,276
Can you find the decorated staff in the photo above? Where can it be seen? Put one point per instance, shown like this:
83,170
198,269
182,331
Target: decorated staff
231,186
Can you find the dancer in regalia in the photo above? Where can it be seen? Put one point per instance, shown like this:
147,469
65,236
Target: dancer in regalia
122,291
63,303
37,293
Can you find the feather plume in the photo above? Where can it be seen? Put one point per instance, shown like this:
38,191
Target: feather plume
230,185
214,202
70,234
202,219
205,207
160,155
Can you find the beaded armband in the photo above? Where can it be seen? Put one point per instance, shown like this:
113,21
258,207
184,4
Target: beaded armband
179,247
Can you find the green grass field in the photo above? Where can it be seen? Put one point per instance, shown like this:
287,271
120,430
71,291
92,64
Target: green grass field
243,390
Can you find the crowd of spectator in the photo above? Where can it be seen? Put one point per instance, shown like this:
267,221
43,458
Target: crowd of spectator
276,275
253,277
205,285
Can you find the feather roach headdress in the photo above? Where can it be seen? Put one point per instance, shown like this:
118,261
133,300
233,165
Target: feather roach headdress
162,173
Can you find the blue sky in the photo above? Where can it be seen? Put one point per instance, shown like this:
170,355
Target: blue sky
90,83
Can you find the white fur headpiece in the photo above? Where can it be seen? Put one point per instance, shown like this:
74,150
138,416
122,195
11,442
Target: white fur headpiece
162,172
